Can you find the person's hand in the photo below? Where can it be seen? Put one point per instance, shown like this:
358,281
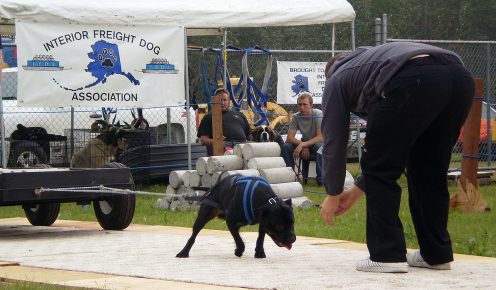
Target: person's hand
300,150
348,199
328,208
305,153
335,205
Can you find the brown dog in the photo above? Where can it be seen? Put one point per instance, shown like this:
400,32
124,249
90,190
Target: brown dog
264,133
103,148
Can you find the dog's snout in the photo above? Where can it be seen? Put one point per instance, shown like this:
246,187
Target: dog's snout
265,136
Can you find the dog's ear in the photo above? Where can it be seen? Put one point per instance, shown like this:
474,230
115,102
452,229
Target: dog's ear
272,134
289,202
256,132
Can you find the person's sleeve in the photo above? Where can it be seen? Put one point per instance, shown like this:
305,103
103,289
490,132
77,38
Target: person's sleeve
205,127
318,119
335,129
246,125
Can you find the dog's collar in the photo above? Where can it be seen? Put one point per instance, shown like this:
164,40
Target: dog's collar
273,200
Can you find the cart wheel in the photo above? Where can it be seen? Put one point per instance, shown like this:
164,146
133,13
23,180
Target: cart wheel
115,212
42,214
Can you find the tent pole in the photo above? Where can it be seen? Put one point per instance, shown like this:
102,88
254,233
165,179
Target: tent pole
333,41
2,128
224,56
353,35
188,108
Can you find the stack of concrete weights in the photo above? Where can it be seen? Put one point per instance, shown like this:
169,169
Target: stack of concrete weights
250,159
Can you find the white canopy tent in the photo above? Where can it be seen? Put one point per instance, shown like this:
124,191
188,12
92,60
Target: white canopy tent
198,16
187,13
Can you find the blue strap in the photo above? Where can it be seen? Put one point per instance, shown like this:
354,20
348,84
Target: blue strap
258,105
245,200
251,197
248,197
261,178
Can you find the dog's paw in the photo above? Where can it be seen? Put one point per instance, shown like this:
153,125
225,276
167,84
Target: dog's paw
260,254
182,255
239,252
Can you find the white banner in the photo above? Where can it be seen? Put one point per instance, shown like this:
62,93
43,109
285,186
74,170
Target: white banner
100,65
296,77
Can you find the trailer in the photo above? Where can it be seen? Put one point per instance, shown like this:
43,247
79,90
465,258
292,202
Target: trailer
40,191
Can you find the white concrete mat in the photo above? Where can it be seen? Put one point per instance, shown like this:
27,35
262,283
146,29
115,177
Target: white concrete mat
149,251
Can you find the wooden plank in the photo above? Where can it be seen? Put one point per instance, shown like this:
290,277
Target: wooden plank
471,136
218,134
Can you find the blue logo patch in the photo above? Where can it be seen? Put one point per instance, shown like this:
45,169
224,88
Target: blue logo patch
106,62
300,84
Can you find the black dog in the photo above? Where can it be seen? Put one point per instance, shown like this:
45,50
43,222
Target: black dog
243,200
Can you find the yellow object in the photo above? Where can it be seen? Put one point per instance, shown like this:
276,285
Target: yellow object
234,81
275,113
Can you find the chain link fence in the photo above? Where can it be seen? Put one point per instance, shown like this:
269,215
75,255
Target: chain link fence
53,135
480,59
43,135
169,123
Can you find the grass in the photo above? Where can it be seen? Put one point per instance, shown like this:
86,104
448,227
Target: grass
26,285
471,233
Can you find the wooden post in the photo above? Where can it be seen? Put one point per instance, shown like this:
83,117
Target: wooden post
467,197
471,138
217,133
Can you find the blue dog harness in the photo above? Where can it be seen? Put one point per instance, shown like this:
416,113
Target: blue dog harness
250,184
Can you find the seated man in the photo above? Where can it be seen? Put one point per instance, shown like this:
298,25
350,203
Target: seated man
235,127
307,121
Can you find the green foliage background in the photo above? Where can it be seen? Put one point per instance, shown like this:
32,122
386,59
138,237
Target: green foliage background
407,19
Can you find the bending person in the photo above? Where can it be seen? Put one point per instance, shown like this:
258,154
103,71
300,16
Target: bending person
415,98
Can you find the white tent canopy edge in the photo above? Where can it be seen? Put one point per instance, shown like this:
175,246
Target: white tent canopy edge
190,13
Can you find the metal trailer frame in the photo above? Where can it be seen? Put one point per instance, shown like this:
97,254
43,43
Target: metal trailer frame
40,192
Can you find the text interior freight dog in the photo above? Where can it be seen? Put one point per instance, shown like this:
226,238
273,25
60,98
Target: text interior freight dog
246,200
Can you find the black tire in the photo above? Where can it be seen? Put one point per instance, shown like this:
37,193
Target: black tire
115,212
27,154
42,214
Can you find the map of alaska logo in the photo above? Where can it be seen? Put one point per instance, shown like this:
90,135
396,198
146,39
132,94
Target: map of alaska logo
300,84
105,62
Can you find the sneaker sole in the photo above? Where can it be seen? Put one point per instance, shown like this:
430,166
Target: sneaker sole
390,268
433,267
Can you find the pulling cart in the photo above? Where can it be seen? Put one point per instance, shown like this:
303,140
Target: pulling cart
40,191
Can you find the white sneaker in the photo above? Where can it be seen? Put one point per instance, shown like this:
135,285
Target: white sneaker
416,260
368,265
